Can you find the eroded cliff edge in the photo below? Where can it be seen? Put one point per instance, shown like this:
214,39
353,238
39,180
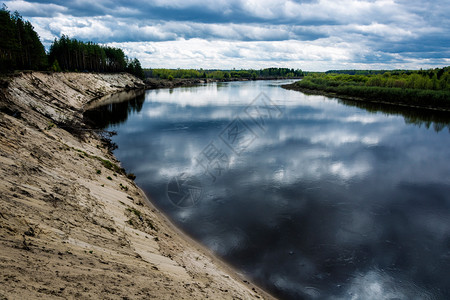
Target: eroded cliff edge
72,224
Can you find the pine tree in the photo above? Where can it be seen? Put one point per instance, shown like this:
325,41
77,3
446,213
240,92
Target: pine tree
20,47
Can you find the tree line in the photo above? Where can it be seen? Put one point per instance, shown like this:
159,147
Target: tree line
224,74
357,72
73,55
21,49
432,79
425,88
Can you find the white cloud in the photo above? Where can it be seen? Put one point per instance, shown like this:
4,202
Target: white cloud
225,54
312,35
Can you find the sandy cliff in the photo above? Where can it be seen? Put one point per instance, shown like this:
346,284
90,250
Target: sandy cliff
72,225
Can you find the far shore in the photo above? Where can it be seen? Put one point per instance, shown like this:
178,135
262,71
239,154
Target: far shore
294,86
156,83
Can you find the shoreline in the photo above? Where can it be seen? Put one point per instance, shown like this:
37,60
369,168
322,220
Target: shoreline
308,91
154,83
128,94
232,271
71,223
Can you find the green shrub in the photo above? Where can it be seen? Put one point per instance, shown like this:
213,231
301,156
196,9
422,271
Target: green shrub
131,176
134,211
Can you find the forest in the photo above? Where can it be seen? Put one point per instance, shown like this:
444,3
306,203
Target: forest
21,49
73,55
418,88
267,73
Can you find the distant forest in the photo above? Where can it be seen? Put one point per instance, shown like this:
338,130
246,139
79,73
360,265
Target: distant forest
224,74
433,79
21,49
427,88
359,72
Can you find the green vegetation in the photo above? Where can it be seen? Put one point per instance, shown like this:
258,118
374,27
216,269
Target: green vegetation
73,55
150,224
142,218
170,74
107,164
123,187
359,72
21,49
430,88
50,125
134,211
110,166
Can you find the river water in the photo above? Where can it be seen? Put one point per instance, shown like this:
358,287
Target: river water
311,197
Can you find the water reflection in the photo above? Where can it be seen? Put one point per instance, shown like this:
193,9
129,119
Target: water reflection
330,201
115,109
438,120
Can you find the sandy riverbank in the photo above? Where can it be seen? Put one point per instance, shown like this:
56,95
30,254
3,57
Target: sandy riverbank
72,225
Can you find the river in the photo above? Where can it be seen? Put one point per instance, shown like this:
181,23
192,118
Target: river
311,197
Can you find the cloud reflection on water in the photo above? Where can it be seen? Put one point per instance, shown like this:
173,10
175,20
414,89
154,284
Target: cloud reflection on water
331,202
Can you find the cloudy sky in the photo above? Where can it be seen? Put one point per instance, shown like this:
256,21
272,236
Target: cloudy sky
314,35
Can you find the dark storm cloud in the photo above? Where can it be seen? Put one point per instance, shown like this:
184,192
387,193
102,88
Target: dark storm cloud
198,11
347,33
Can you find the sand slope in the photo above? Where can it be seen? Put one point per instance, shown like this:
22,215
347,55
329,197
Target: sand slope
73,227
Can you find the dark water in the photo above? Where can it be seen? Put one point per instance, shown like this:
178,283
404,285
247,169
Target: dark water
312,197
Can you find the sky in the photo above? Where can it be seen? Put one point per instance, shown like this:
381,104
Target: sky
312,35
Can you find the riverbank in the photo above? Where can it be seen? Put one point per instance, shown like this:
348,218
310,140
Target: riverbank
153,83
72,222
413,98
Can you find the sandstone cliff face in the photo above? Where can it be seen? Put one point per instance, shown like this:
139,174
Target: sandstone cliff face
60,95
72,224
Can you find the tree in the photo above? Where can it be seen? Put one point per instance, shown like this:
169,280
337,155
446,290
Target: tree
55,66
74,55
20,47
